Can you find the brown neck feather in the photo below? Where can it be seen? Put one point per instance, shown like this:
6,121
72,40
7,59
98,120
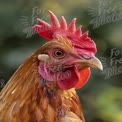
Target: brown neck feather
28,97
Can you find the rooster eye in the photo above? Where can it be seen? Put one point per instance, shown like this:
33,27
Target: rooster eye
58,53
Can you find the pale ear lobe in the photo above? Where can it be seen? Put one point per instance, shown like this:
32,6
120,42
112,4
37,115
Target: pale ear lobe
43,57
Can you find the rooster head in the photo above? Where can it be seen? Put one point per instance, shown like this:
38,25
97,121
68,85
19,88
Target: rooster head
66,59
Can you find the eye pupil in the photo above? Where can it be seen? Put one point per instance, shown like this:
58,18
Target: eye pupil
59,53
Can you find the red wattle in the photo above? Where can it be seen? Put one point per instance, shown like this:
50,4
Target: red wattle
68,78
84,76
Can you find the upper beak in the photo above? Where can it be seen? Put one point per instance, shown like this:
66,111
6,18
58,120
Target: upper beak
94,63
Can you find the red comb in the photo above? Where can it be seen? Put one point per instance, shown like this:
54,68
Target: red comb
81,41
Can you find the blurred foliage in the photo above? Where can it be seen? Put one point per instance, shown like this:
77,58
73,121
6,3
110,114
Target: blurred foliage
101,98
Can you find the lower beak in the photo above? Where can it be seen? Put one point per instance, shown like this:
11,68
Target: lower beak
94,63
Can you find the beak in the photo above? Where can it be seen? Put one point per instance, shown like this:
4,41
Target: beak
94,63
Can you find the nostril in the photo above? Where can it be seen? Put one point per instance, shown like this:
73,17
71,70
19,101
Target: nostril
86,57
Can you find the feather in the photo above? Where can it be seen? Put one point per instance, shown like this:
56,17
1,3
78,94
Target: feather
27,97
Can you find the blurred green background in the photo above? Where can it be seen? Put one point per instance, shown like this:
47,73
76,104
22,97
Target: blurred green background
101,97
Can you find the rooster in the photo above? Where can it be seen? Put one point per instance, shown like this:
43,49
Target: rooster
43,87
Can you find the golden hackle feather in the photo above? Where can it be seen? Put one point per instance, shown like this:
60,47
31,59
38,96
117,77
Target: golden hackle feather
27,97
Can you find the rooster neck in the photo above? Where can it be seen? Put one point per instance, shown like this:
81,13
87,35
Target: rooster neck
61,102
50,85
28,97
